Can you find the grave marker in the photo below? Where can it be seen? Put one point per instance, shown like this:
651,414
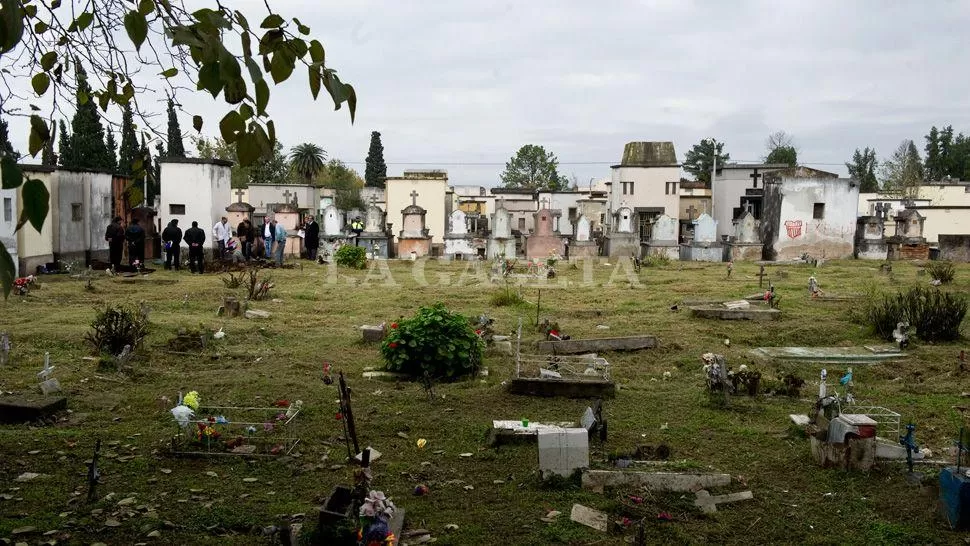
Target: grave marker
94,474
4,348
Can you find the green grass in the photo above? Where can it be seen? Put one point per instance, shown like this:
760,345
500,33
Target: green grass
260,361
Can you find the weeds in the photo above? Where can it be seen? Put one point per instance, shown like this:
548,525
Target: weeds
258,286
116,327
941,271
234,280
934,314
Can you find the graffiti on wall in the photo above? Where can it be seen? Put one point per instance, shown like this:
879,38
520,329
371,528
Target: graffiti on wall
794,228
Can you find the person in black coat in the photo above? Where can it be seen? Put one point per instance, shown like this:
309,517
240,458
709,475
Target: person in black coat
135,235
115,235
245,233
311,238
172,239
195,238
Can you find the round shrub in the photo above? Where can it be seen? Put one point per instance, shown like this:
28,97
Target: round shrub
351,256
435,342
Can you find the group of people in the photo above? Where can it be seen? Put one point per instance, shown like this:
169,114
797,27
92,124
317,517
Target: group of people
117,235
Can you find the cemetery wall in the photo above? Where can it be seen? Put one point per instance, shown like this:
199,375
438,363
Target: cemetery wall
955,248
8,224
195,190
36,248
80,211
944,219
431,197
265,196
810,215
727,189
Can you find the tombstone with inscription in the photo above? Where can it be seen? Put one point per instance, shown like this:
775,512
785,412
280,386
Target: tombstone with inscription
545,241
908,243
704,247
746,244
374,238
870,237
582,244
413,239
500,240
623,239
663,238
458,242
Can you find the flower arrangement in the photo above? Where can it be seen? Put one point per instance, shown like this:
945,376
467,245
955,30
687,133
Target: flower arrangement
192,400
375,513
22,285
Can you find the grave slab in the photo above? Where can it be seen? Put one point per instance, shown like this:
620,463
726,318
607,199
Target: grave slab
567,388
841,355
599,480
563,451
24,409
708,503
580,346
723,313
589,517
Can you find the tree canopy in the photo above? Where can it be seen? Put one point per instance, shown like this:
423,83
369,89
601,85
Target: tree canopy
863,168
699,160
781,149
375,173
532,167
306,160
902,173
345,182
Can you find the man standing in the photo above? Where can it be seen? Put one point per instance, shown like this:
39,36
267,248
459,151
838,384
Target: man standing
311,238
195,238
220,234
279,233
115,235
172,239
357,227
136,244
269,233
245,233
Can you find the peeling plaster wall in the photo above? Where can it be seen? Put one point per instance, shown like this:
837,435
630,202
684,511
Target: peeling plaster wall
789,228
36,248
81,210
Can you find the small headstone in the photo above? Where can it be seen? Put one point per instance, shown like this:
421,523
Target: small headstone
4,348
589,517
50,386
256,313
563,451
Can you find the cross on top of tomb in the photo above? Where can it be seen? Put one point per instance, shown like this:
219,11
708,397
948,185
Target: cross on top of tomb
544,202
691,212
414,197
286,196
239,193
754,178
373,200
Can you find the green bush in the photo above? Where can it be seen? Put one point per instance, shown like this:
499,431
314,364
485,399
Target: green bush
351,256
506,296
941,271
116,327
935,315
657,259
435,342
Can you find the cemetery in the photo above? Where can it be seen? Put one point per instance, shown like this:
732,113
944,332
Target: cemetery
264,423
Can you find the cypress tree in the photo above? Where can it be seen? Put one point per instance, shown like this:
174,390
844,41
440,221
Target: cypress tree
157,171
112,161
175,147
88,149
63,144
376,171
129,142
48,158
5,147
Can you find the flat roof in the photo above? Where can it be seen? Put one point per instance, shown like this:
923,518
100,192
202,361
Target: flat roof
197,161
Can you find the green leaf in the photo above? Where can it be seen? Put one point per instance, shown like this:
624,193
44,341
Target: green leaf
39,134
231,125
314,73
36,204
304,30
40,82
40,27
209,78
82,97
271,127
170,73
48,59
12,176
241,19
282,65
146,7
317,54
103,100
247,46
351,101
30,10
262,97
7,271
272,21
55,4
246,111
255,74
270,41
84,20
137,28
11,25
197,123
247,150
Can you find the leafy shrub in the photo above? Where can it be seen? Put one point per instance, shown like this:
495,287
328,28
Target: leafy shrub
506,296
233,280
351,256
657,259
434,343
934,314
941,271
116,327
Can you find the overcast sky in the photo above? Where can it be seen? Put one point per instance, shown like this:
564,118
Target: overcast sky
454,83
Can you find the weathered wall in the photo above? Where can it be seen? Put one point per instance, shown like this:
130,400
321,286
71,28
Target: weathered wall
201,186
793,231
955,248
944,220
8,224
81,210
266,196
431,197
650,189
727,189
35,248
744,252
421,247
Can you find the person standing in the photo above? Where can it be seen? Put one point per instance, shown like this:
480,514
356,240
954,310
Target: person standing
269,234
195,238
311,238
172,239
357,227
245,234
115,235
279,233
220,234
136,244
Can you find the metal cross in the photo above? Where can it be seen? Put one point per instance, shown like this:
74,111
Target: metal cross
239,193
754,178
414,197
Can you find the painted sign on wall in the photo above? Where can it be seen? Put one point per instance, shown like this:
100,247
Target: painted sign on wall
794,228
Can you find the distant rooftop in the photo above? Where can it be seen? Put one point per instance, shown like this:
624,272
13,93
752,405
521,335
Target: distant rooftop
799,172
422,174
730,166
649,154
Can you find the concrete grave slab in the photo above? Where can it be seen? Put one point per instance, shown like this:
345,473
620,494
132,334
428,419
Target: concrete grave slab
599,480
568,388
580,346
841,355
24,409
708,503
563,451
589,517
723,313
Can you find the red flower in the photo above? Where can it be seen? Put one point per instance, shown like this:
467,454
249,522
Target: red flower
282,403
392,345
393,325
339,416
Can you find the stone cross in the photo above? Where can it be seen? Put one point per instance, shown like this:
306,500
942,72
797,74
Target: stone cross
239,194
691,211
414,197
286,196
373,200
544,202
501,202
754,178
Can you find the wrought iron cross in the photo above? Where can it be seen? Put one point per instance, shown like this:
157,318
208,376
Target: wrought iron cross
754,178
414,197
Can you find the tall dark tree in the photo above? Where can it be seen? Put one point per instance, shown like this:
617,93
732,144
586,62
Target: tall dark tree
6,148
699,160
63,143
375,173
129,142
47,157
941,156
532,167
863,168
157,167
109,142
175,146
147,180
88,149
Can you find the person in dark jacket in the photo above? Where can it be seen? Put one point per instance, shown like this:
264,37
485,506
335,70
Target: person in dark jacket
172,240
311,238
135,235
245,234
115,235
195,238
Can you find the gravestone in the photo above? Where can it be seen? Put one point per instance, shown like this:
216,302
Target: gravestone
413,239
458,242
583,245
908,243
333,235
545,240
4,348
500,241
623,241
870,237
663,238
563,451
704,247
746,245
375,238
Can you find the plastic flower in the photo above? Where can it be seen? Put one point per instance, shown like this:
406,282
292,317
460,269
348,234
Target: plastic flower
392,345
192,400
393,325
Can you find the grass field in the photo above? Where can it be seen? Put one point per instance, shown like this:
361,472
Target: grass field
207,501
